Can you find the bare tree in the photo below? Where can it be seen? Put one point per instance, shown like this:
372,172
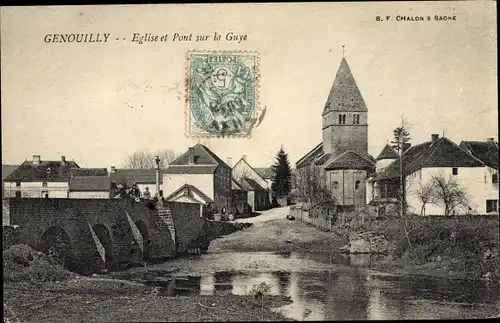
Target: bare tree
450,193
426,194
146,159
310,188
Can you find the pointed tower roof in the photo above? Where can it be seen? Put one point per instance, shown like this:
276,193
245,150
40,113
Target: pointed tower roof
388,153
345,94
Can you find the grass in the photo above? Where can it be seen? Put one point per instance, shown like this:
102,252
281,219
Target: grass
437,245
23,264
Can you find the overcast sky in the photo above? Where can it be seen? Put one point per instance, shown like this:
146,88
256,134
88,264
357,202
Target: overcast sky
96,103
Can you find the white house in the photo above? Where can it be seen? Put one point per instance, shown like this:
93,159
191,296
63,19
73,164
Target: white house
203,169
39,178
439,157
487,152
257,187
90,187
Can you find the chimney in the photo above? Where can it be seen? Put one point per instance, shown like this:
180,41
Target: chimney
434,137
36,159
490,139
113,169
229,161
191,156
63,160
244,157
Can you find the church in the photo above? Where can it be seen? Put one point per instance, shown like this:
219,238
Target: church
342,156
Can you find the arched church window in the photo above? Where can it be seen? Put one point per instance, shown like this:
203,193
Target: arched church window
353,119
356,185
335,185
357,119
340,119
343,119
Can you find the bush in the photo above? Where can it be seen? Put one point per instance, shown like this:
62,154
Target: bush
461,241
22,263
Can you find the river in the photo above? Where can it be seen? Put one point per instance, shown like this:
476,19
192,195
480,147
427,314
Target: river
323,286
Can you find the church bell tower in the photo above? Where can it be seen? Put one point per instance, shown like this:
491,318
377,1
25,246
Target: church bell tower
345,116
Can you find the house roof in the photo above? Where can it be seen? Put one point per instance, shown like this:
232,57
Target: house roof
190,189
235,186
485,151
388,153
191,169
310,156
265,172
243,161
350,160
441,153
89,172
131,176
345,94
254,186
46,171
90,183
7,170
202,156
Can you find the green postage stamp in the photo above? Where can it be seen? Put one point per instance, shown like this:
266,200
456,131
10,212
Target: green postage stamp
222,93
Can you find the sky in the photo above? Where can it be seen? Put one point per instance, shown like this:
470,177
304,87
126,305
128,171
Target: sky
97,103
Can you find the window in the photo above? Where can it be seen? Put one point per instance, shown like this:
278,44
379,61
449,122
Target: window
494,178
454,171
46,195
44,184
335,185
343,119
357,119
18,184
356,185
340,119
491,206
18,194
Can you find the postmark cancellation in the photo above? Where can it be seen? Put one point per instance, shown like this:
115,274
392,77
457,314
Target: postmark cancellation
222,93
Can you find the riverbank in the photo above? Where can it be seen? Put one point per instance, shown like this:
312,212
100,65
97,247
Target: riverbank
425,258
83,299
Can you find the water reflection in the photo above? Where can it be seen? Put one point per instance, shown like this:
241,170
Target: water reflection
350,295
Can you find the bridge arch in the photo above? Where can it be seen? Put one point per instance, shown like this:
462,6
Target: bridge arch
55,242
102,233
143,229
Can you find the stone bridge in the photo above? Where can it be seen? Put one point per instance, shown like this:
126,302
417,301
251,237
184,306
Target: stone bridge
91,234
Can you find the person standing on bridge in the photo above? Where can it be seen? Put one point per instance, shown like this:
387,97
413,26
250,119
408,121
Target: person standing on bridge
147,194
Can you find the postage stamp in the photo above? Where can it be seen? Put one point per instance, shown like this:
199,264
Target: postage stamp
222,93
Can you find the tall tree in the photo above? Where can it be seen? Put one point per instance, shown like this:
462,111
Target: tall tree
401,136
146,159
281,185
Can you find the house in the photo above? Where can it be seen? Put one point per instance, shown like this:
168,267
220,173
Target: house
267,173
487,152
342,157
38,178
240,197
6,171
258,192
437,158
203,169
142,177
190,194
90,187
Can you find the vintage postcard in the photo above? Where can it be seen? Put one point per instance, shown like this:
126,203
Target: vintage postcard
250,162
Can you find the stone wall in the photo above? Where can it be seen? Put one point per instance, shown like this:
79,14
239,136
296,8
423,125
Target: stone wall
118,221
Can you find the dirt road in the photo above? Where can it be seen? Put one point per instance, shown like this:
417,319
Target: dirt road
271,231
